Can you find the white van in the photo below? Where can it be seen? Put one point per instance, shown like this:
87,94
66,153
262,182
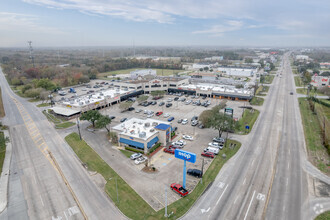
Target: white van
212,149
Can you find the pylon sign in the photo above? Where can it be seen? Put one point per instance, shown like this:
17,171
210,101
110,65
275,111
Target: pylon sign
185,156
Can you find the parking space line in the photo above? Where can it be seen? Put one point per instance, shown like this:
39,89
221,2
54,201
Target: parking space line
247,211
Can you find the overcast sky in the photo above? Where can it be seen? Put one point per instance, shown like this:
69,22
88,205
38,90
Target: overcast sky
58,23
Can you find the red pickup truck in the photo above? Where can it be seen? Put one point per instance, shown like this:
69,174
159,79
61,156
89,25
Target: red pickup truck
179,189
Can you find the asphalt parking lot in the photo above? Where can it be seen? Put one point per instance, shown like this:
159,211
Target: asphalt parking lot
151,186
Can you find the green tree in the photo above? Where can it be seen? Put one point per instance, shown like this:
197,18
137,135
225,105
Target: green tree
142,98
206,68
46,84
91,115
102,122
248,60
123,106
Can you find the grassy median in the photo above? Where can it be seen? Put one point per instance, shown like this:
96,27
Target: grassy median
2,150
323,216
129,202
249,118
2,110
298,82
257,101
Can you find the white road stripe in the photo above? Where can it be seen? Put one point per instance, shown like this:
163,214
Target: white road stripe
247,211
236,199
42,202
288,165
221,195
244,180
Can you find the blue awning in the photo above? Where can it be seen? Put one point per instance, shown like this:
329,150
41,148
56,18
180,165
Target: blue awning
162,127
131,142
152,142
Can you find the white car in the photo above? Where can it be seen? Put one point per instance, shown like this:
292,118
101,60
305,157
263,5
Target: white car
166,115
187,137
150,115
184,121
138,110
135,156
140,160
216,145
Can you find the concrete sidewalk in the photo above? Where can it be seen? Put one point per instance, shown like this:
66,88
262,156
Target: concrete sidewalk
5,175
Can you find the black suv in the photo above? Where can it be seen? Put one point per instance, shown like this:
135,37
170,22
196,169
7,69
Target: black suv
195,173
168,105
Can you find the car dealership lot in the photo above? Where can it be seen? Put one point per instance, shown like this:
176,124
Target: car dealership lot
151,187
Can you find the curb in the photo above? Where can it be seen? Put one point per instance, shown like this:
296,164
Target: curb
5,175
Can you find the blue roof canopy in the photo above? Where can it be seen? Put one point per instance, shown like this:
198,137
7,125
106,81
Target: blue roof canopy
162,127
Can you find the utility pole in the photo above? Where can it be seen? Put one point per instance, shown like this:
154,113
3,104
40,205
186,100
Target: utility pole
31,52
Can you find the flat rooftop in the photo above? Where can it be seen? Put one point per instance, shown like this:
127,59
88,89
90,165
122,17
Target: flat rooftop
139,128
84,100
217,88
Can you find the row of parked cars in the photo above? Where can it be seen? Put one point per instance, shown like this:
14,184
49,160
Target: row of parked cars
138,158
214,147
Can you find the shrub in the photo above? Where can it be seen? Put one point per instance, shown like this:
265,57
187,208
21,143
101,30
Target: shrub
154,148
134,150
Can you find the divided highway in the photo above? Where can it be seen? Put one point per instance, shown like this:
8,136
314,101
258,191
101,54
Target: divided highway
265,179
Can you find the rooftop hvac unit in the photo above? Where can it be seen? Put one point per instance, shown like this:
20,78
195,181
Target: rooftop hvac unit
140,123
152,130
147,124
71,102
132,131
133,126
81,103
154,124
87,102
101,93
142,134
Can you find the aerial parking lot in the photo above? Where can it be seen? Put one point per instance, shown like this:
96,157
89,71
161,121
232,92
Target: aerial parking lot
168,168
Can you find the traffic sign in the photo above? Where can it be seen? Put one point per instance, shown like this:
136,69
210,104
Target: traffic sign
185,155
247,127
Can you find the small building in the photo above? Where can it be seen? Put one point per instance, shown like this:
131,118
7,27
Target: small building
143,134
320,81
325,65
236,71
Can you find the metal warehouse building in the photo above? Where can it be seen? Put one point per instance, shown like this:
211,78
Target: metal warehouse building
143,133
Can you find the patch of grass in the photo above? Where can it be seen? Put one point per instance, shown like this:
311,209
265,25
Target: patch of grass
298,81
43,105
257,101
249,118
127,153
130,203
65,125
262,90
2,110
268,79
313,136
2,150
323,216
34,100
51,117
304,92
160,72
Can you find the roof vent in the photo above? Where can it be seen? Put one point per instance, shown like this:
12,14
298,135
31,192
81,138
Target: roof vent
154,124
142,134
147,124
152,130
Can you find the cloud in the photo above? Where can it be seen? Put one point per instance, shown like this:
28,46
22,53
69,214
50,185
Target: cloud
219,30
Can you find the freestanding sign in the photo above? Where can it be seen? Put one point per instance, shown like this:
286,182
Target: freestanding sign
185,156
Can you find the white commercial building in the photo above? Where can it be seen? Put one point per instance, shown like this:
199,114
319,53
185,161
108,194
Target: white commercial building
243,72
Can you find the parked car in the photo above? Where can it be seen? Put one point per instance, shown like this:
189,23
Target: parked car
179,189
112,117
131,108
140,160
176,98
184,121
219,140
161,103
169,99
123,119
174,128
201,126
168,105
194,123
208,154
291,93
194,118
187,137
179,142
180,121
135,156
170,119
138,110
166,115
195,173
150,115
216,145
153,103
169,150
159,113
214,150
175,146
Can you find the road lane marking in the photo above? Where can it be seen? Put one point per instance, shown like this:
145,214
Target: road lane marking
221,185
205,210
66,217
247,211
252,162
261,196
289,152
288,165
221,195
287,181
42,202
244,180
236,199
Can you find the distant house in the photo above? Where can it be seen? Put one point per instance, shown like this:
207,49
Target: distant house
141,73
325,65
320,81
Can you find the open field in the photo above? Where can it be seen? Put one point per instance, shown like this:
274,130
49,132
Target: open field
304,92
2,110
323,216
262,90
317,152
2,150
160,72
268,79
129,202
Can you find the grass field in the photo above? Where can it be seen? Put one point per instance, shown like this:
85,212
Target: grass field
130,203
257,101
268,79
262,90
63,125
323,216
298,81
317,152
2,110
160,72
249,119
2,150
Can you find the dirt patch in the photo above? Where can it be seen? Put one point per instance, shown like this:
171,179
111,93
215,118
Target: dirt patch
149,169
320,188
